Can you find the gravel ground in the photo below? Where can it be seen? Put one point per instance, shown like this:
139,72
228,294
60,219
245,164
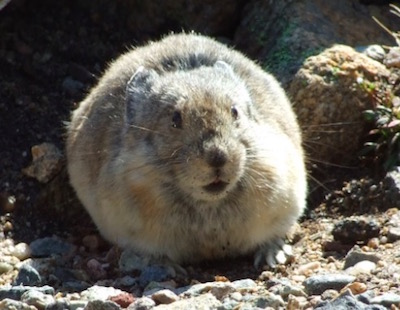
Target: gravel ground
346,248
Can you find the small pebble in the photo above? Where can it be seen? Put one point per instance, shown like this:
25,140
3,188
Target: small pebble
21,250
386,300
356,288
143,303
124,299
28,276
49,246
102,305
363,267
37,299
5,267
316,285
164,297
393,234
244,284
10,304
204,301
375,52
373,243
91,242
309,268
356,255
97,292
154,273
96,269
236,296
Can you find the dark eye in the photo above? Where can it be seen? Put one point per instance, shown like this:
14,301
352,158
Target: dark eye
234,112
177,120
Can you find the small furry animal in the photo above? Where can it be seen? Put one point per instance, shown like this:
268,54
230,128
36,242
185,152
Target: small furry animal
187,150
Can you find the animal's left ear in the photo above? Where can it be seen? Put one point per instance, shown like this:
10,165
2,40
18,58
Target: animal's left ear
224,67
137,91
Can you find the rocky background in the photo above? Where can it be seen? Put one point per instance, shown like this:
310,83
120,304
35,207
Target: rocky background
334,61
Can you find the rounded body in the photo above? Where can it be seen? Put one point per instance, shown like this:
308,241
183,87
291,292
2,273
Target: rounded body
186,149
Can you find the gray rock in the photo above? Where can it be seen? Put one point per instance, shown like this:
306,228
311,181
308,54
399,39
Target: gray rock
244,284
386,300
129,261
50,246
346,301
262,302
393,234
97,292
10,304
144,303
37,299
102,305
356,255
27,275
316,285
15,292
366,297
374,51
354,229
154,273
205,301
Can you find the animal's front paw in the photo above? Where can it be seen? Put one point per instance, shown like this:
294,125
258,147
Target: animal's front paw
273,253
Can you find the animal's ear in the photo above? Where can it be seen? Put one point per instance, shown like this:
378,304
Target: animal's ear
224,67
137,89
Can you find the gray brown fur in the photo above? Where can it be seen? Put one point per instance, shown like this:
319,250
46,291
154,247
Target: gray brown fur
221,185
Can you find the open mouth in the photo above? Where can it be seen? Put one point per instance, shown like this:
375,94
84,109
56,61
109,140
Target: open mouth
216,186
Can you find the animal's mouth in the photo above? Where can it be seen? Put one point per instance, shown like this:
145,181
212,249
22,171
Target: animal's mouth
216,186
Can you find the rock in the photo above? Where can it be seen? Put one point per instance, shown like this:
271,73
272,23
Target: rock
356,255
281,36
102,305
124,299
355,229
346,301
386,300
5,267
154,273
144,303
27,275
129,261
164,297
263,302
38,299
21,251
316,285
392,58
284,288
9,304
205,301
46,162
49,246
393,234
244,284
16,292
96,269
363,267
357,288
329,94
375,52
97,292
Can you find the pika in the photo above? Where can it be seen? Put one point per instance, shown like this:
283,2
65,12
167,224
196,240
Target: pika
187,150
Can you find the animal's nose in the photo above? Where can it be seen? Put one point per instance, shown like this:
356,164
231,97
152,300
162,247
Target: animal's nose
216,158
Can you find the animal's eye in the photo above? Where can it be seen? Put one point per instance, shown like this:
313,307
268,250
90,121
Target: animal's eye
177,120
234,112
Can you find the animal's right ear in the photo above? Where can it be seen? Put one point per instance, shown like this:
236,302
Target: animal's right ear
137,89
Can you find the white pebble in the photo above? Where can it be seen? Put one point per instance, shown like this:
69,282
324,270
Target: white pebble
21,251
363,267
